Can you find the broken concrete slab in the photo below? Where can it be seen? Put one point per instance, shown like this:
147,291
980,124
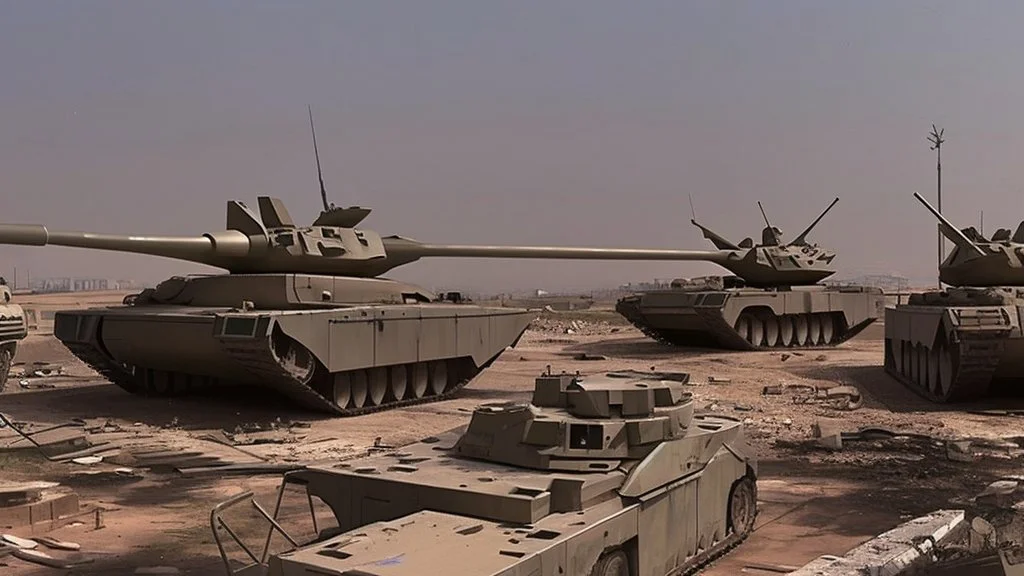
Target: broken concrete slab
53,503
909,545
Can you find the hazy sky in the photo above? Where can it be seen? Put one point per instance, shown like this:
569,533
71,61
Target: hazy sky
532,122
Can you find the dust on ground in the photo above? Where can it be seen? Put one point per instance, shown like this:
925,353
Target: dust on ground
813,500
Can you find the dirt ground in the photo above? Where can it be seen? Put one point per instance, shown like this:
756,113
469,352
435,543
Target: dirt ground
813,500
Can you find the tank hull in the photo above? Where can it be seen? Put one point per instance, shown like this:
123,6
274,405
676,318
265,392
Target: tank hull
13,329
753,318
487,519
342,360
959,344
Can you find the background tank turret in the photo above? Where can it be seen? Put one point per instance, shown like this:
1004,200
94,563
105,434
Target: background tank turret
13,329
772,300
608,475
963,342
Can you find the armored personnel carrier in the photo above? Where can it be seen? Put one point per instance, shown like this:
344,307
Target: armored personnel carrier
613,475
963,342
13,329
772,300
302,310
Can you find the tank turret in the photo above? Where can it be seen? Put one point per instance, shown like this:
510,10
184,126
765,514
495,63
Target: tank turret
773,300
979,261
598,475
963,342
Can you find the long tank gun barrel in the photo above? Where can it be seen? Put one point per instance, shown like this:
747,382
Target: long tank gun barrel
949,231
552,252
212,249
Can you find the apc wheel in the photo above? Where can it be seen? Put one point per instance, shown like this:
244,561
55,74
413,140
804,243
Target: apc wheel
743,506
614,564
5,367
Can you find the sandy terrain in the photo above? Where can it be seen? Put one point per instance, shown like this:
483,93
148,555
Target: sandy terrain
813,501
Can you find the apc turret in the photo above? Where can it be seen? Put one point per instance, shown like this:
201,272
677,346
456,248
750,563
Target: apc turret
13,329
609,475
773,300
963,342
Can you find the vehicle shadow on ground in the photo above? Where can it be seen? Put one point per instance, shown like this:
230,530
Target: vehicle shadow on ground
882,390
639,349
219,408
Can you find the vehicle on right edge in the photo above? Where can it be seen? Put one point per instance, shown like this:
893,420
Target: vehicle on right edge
963,342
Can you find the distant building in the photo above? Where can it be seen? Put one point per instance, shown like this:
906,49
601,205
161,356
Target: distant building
52,285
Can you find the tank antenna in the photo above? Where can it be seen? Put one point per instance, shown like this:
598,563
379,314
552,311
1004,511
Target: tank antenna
693,213
765,216
936,139
319,172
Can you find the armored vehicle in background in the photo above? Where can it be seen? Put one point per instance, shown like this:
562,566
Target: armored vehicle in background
613,475
772,300
963,342
13,329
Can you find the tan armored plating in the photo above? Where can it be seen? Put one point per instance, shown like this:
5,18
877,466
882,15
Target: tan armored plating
13,329
964,342
611,475
772,301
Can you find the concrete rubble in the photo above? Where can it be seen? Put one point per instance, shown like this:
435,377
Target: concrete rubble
909,545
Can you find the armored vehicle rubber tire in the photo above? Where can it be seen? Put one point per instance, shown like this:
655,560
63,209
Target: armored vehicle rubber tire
743,506
613,564
5,367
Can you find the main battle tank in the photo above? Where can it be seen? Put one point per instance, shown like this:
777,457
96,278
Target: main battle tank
302,310
13,329
773,299
612,475
963,342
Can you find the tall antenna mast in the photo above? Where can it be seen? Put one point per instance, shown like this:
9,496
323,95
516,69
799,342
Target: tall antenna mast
937,140
693,213
765,216
316,152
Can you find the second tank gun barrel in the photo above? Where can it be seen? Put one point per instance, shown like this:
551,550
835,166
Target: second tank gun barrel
555,252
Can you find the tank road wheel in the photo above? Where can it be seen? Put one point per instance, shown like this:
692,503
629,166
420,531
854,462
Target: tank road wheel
438,377
5,366
399,382
800,329
377,380
613,564
946,371
750,328
933,384
786,331
342,389
420,379
813,329
771,330
742,506
828,329
359,388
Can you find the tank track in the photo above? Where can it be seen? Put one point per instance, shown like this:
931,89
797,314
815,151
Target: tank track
718,551
719,334
274,376
976,358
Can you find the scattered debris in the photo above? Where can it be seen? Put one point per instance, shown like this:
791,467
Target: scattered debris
88,460
716,380
57,544
586,356
19,542
837,397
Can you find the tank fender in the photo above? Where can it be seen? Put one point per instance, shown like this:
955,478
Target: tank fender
675,459
743,452
920,326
